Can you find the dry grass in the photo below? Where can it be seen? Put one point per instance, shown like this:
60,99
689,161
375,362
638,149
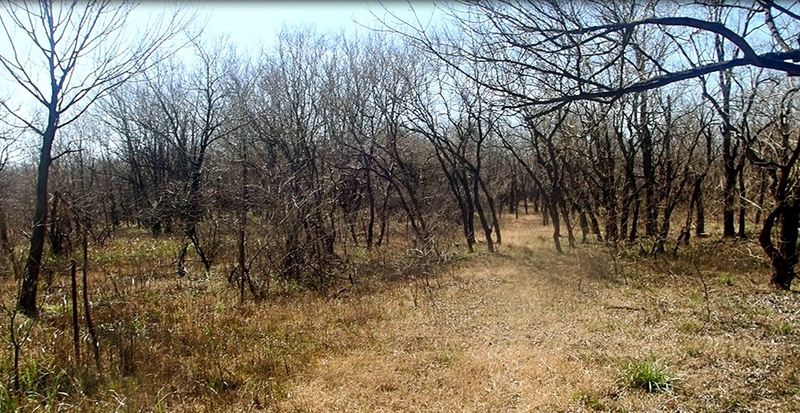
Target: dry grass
521,330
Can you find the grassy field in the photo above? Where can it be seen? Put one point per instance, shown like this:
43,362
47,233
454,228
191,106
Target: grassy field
521,330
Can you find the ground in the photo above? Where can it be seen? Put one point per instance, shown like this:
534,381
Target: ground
528,330
521,330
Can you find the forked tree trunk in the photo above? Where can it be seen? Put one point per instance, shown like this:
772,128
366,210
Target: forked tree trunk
492,210
487,229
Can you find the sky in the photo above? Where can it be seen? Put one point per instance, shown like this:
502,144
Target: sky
251,23
248,25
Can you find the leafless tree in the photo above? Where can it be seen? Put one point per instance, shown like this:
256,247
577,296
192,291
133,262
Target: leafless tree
65,56
543,56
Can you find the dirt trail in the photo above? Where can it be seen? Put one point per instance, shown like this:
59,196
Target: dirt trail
528,330
496,336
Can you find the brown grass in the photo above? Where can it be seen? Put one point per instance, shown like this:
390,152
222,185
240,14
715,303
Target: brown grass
521,330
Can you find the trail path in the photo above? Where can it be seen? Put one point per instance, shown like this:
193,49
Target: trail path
509,333
526,330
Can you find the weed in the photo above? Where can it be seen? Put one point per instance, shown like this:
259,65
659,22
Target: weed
446,357
786,329
727,279
694,349
649,374
691,327
590,399
8,403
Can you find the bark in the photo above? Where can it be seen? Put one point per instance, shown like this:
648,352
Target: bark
525,203
651,209
729,149
55,236
384,230
30,282
594,223
492,210
700,226
553,210
487,229
784,257
567,223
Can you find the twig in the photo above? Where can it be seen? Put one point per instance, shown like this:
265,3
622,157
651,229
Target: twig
624,307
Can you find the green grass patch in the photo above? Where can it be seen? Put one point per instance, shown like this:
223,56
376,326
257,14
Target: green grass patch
786,329
590,400
691,327
727,279
650,374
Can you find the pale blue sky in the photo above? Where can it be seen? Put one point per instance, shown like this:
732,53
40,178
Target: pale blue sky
249,23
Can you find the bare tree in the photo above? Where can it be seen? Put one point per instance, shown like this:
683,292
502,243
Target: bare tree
84,55
542,56
774,147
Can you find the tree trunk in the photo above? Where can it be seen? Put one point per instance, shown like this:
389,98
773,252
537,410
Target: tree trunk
784,257
487,229
492,210
635,220
514,202
742,207
371,203
30,282
568,223
75,328
87,304
55,236
593,221
584,223
631,196
651,210
384,230
729,198
553,210
762,192
525,203
700,227
728,153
